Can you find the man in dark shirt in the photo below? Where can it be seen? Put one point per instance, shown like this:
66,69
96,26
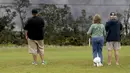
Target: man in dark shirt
113,29
35,35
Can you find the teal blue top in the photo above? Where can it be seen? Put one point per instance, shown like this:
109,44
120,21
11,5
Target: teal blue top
97,30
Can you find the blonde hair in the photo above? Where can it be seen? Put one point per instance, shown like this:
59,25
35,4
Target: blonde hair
97,19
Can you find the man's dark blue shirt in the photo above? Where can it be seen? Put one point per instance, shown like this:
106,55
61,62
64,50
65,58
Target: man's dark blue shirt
113,29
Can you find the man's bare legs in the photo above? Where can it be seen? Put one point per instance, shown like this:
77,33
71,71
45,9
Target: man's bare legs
116,52
41,54
35,59
42,57
109,56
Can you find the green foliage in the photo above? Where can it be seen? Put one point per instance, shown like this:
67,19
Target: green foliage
21,7
125,40
7,25
61,28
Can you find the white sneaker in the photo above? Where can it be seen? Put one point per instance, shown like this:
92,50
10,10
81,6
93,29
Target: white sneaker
98,65
101,64
43,63
34,63
94,64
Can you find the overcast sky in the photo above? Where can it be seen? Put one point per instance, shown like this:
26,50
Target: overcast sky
91,8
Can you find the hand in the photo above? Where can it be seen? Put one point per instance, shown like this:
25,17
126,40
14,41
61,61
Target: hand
26,37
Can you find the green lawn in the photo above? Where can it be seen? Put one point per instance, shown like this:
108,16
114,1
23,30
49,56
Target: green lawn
61,60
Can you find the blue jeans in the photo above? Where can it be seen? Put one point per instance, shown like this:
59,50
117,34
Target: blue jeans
97,45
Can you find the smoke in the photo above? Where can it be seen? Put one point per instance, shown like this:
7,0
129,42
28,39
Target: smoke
5,1
102,7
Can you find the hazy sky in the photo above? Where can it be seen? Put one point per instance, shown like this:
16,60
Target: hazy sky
91,8
76,1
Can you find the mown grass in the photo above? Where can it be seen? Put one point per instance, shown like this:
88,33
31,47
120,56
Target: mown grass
67,59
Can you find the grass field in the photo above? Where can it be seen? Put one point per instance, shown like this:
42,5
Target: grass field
60,60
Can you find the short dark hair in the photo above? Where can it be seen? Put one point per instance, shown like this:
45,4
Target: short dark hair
34,11
113,14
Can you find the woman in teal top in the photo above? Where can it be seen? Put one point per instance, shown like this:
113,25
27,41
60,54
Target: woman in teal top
97,32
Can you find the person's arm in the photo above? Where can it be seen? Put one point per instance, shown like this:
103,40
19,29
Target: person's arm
104,31
107,26
43,22
26,29
121,27
90,30
26,34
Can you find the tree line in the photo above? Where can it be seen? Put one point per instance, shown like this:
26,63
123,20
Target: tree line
61,28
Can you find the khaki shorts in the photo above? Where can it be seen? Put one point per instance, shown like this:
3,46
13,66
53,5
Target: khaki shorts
35,46
113,45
